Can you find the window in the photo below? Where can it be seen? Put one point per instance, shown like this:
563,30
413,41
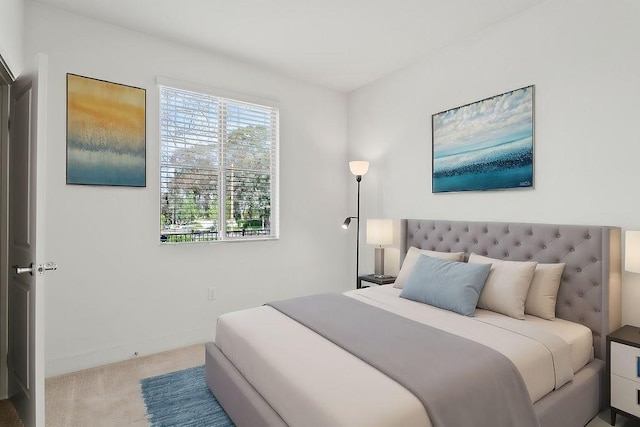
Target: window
219,178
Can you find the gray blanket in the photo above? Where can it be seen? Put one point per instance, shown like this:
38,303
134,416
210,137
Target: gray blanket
460,382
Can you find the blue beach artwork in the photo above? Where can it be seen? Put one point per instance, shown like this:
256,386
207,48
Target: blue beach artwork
487,145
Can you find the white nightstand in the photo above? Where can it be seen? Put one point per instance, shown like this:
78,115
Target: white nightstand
623,366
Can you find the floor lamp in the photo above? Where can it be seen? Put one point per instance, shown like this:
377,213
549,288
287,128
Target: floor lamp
358,168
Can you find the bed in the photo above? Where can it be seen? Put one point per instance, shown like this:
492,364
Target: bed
265,368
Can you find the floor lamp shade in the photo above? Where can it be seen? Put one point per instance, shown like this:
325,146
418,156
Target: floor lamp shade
632,251
379,232
359,167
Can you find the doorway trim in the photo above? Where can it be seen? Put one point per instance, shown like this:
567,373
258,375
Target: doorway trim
6,79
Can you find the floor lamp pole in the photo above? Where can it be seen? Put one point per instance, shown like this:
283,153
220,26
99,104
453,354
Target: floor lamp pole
358,179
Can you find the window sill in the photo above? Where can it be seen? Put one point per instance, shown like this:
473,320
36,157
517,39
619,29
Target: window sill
227,240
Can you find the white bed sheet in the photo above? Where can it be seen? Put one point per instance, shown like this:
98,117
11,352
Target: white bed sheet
579,337
310,381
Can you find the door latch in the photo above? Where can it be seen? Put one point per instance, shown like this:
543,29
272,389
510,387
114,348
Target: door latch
50,266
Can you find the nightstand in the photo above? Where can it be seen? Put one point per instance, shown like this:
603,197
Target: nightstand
370,278
623,366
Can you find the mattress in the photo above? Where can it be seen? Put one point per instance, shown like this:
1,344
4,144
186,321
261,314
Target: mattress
311,381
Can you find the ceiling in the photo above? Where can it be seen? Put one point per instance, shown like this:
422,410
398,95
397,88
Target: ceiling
339,44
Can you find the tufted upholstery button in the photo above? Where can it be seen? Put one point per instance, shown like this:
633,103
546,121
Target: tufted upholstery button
449,229
518,244
594,260
580,294
597,310
433,248
558,236
441,239
495,243
466,229
475,241
572,249
582,319
595,284
457,240
565,280
506,254
530,257
557,260
544,246
486,231
579,270
484,253
566,304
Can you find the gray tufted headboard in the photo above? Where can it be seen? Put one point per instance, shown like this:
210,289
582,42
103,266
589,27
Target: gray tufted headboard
590,288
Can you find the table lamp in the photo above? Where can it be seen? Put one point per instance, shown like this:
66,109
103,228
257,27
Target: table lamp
379,232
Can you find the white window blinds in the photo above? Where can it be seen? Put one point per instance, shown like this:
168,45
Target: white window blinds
218,168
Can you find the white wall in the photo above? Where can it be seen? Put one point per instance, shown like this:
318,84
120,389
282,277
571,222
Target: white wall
583,58
12,34
117,290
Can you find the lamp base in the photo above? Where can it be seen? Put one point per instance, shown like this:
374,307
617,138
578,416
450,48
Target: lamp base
379,263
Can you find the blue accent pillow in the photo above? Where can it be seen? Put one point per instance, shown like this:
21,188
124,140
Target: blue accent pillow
454,286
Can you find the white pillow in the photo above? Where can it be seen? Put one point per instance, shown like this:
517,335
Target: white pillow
507,286
543,292
412,257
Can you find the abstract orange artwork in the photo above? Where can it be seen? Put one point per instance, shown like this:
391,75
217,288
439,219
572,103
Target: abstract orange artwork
106,133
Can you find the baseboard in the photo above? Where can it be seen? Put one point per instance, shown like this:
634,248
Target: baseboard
101,357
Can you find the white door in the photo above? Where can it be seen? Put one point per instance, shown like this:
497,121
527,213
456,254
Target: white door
26,245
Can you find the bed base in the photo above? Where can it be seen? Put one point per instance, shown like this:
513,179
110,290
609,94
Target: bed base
572,405
244,405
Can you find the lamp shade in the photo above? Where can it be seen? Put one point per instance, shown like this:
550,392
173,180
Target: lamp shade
379,232
359,167
632,251
346,222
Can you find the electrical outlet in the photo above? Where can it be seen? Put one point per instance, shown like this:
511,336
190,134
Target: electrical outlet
212,294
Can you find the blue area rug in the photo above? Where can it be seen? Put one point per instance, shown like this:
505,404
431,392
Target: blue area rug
182,399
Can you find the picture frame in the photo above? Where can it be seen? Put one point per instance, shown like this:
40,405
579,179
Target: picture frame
485,145
106,133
